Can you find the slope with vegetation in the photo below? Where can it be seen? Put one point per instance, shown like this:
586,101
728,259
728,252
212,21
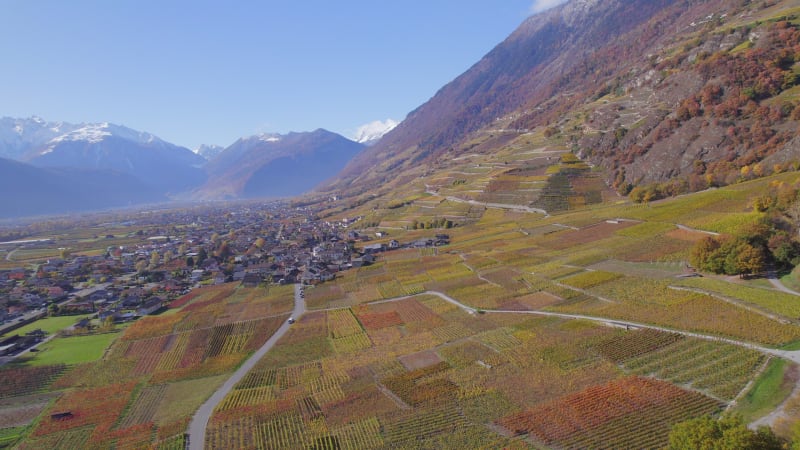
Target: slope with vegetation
435,376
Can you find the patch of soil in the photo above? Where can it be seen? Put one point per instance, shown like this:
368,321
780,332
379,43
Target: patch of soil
420,360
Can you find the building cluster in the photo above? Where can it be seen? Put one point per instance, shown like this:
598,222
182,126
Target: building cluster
176,251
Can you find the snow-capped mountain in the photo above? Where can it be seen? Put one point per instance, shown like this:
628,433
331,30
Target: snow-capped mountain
105,146
372,132
19,136
98,132
209,152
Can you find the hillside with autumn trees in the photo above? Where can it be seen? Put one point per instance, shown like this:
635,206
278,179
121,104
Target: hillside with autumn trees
665,97
770,242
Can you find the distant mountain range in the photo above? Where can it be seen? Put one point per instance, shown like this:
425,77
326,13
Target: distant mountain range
74,167
32,191
166,167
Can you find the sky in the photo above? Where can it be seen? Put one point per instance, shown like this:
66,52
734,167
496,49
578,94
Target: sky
209,72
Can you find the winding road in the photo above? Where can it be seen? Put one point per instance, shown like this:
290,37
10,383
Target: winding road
773,279
197,428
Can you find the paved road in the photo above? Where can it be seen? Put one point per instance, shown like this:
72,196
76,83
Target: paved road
776,283
197,428
685,228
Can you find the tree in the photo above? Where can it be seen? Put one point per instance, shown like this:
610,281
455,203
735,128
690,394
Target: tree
202,255
108,323
783,248
743,258
224,251
728,433
141,265
155,258
707,255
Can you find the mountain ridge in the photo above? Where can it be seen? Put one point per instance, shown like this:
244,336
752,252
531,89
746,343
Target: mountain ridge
308,157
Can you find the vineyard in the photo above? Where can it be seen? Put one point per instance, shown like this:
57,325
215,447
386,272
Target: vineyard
432,376
718,369
630,412
155,374
28,380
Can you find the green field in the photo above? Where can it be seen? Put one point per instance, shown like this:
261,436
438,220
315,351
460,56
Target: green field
71,350
768,391
49,325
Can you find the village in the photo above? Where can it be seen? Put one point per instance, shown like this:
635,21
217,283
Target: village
251,245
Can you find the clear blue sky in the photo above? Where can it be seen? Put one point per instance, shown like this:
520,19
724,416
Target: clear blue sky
208,72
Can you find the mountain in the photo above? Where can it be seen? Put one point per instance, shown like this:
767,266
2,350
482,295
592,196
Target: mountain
530,66
37,191
272,165
209,152
164,166
372,132
641,88
19,136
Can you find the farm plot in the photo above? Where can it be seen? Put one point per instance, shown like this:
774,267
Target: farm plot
589,279
71,350
590,234
595,417
144,407
635,343
322,295
98,407
778,302
70,439
345,332
720,370
652,301
28,380
657,248
21,411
